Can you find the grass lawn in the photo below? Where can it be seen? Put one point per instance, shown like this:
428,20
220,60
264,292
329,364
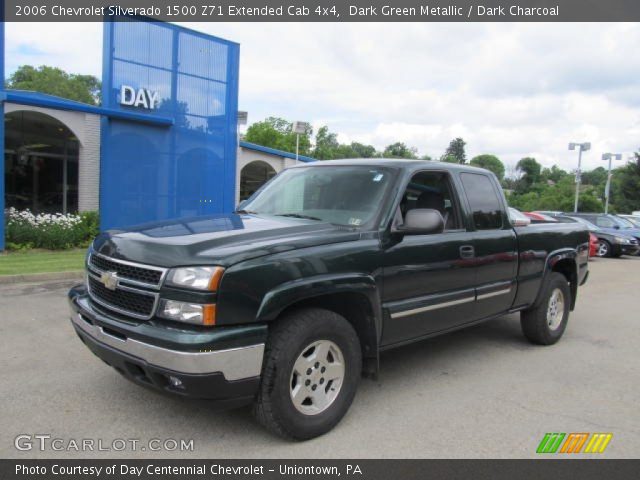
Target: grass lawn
41,261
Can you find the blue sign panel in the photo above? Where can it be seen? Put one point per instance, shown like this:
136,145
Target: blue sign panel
155,172
2,130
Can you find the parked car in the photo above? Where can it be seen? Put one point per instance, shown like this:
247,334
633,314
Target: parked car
610,223
537,217
609,244
285,303
594,244
550,213
632,219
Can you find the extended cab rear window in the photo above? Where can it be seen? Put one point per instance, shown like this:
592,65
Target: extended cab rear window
484,202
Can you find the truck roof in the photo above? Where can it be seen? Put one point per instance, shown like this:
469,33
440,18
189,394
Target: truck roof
395,163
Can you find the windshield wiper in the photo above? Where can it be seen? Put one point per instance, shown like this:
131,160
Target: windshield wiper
297,215
243,211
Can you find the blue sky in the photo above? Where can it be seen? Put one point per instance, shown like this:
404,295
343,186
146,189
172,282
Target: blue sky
510,89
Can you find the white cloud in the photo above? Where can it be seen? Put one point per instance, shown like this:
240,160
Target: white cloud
508,89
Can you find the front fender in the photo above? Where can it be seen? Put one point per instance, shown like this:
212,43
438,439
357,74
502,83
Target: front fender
306,289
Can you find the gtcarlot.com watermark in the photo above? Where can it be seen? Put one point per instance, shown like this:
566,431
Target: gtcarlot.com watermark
45,442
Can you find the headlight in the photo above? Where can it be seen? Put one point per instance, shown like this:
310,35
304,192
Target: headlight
187,312
200,278
622,240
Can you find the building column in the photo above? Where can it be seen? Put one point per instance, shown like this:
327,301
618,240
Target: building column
89,165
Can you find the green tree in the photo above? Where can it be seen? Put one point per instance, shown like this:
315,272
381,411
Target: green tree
363,151
456,150
491,163
54,81
625,187
542,196
399,150
448,159
596,177
530,170
327,145
277,133
555,174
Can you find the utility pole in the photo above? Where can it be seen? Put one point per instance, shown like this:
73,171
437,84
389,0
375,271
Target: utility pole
609,157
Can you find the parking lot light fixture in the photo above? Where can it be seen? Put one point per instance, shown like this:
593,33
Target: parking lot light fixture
582,147
299,128
609,157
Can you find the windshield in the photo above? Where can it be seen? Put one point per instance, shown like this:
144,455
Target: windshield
589,225
343,195
623,222
634,220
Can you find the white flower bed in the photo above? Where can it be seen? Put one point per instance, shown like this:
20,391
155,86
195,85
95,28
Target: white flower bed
42,220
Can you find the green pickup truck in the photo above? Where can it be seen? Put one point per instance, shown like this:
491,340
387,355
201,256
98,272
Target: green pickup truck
286,303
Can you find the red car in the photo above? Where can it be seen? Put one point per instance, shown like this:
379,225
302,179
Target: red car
594,243
539,217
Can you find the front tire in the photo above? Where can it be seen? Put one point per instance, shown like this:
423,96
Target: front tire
545,323
310,375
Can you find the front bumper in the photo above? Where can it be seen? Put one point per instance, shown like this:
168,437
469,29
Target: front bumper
629,249
221,364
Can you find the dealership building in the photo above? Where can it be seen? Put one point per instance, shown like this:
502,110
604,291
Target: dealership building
163,143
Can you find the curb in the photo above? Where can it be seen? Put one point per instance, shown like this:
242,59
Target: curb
41,277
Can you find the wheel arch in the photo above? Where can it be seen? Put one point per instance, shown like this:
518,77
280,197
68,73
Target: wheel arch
565,263
353,296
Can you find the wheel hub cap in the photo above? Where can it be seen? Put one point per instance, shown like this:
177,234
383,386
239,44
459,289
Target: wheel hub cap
602,250
555,310
317,376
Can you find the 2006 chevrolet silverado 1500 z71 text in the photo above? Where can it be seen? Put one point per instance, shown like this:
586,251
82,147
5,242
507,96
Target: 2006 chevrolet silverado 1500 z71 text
288,301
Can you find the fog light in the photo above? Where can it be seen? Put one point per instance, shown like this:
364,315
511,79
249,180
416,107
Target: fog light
175,382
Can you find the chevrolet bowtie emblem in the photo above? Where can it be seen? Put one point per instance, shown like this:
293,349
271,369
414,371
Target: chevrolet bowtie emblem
109,280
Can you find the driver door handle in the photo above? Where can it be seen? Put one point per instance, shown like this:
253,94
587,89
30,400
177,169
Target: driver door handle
467,251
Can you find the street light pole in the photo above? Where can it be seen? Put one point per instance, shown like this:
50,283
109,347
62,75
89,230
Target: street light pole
582,147
299,128
609,157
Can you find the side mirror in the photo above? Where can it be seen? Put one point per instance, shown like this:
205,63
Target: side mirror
520,222
422,221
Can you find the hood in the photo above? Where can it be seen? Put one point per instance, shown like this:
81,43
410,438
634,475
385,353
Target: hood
223,239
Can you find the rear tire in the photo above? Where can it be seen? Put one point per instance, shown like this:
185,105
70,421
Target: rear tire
545,323
310,374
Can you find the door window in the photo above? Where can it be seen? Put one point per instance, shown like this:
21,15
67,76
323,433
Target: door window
605,222
431,190
484,202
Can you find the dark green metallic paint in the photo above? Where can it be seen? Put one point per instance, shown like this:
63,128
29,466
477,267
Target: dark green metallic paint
275,263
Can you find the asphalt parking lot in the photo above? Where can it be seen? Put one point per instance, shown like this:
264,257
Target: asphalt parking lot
480,393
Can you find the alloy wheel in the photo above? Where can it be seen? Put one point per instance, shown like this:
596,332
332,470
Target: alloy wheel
317,377
555,310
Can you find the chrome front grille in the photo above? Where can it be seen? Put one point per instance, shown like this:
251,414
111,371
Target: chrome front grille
135,273
132,302
133,288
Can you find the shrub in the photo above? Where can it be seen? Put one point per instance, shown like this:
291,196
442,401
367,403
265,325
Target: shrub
52,231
